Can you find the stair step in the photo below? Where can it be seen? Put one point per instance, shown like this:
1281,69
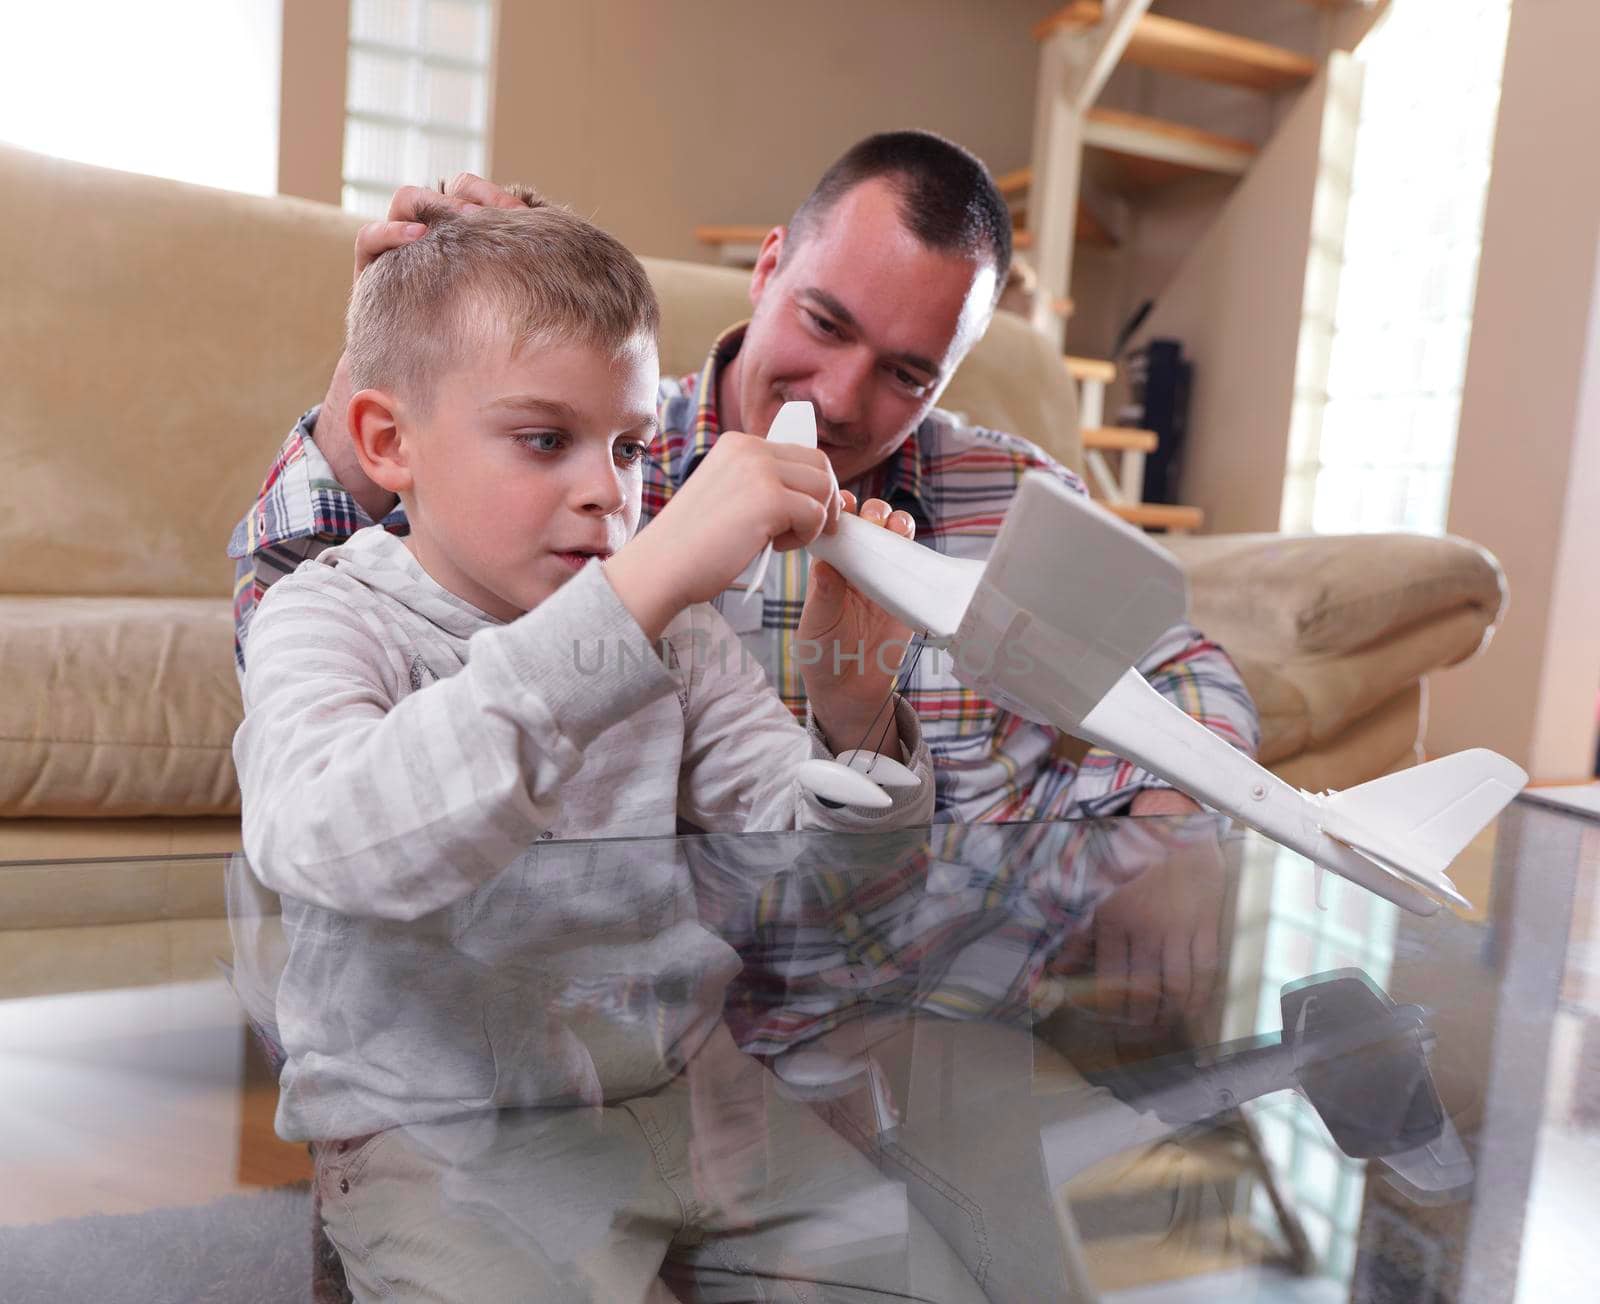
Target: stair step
1158,516
1120,439
1090,230
1014,186
1138,137
736,245
1151,151
740,243
1081,369
1190,50
731,234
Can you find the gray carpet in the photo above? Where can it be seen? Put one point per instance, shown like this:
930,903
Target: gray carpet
243,1249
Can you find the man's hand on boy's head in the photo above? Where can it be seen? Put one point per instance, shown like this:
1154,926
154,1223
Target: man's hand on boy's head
849,648
464,190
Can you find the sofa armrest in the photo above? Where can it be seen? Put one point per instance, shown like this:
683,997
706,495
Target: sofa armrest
1280,596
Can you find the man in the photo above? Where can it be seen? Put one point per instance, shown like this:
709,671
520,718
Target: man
865,304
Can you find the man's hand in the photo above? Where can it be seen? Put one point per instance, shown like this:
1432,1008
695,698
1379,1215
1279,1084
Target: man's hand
850,649
463,191
1163,801
745,494
1154,941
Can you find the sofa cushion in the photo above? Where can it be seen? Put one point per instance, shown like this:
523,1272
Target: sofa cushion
1273,596
117,707
1382,741
157,341
1306,701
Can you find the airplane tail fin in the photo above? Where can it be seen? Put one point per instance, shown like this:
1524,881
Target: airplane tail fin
1420,819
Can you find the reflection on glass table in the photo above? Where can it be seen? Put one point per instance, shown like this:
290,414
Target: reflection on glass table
1121,1060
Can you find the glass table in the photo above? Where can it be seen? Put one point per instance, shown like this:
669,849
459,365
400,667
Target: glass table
1120,1060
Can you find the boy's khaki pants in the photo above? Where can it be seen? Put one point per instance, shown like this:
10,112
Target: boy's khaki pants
714,1184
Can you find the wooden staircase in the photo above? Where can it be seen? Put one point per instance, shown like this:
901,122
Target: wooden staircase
1120,492
1081,45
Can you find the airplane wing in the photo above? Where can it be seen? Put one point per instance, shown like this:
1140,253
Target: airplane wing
1070,599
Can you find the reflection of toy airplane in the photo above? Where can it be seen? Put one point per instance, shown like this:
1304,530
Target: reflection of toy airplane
1356,1056
1360,1060
1051,627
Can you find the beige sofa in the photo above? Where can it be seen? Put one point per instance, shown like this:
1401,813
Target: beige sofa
156,342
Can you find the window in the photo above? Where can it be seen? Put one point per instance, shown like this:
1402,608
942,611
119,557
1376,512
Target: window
417,95
187,89
1378,386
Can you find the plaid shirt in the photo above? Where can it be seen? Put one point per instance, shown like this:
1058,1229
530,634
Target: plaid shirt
301,510
962,921
957,482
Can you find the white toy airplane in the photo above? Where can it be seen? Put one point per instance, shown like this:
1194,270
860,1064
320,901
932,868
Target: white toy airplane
1051,627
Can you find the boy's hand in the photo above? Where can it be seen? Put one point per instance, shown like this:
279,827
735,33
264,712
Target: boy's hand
745,494
850,649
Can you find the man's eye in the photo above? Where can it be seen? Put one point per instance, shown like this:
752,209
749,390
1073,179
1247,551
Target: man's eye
541,441
915,384
824,325
630,453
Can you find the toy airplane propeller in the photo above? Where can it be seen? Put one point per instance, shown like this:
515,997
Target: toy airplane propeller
1051,627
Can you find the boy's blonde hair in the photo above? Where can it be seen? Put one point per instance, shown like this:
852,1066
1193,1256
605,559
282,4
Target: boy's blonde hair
518,275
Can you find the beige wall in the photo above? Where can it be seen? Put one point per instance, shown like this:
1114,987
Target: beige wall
1237,302
655,116
311,103
1527,476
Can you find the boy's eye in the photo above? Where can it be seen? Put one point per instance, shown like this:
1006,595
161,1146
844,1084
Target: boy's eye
541,441
630,452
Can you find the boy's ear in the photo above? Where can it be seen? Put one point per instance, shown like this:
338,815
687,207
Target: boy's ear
374,425
766,262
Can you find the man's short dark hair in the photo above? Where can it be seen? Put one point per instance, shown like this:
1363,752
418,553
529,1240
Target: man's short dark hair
947,198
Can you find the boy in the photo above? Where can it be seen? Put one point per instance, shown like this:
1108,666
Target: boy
424,715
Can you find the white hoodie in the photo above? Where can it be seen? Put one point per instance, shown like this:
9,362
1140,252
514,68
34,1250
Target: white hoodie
405,759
